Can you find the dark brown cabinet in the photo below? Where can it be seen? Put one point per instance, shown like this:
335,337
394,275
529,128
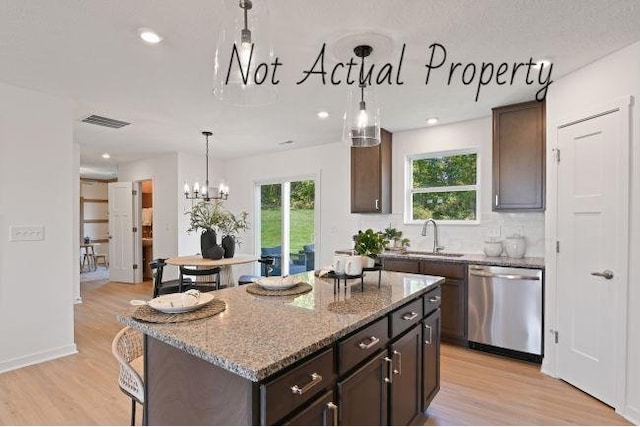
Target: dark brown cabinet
519,157
362,396
371,177
406,381
322,412
430,358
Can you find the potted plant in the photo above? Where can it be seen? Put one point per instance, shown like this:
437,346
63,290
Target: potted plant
230,227
206,216
395,236
369,244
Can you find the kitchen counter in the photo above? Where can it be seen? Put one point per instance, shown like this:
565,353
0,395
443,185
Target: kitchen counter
258,336
501,261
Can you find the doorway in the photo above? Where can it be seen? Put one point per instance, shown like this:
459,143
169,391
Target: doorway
287,215
146,224
592,255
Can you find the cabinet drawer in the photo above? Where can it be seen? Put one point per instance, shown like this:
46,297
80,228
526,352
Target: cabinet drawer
446,269
432,300
402,265
285,393
321,412
404,317
362,344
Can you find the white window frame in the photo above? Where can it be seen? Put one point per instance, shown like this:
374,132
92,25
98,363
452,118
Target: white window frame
409,191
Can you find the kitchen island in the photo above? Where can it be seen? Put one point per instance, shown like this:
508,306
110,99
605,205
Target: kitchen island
351,357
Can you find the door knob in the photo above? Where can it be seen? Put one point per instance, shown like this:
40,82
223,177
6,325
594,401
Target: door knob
607,274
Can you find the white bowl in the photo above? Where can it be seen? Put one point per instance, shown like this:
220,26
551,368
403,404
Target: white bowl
275,283
493,248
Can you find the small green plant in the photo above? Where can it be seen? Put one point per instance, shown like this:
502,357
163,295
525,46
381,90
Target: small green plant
395,236
369,243
232,225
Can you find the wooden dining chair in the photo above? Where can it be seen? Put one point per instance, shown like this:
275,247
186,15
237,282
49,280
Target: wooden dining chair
206,279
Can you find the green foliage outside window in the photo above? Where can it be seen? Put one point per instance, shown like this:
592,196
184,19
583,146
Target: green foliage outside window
428,197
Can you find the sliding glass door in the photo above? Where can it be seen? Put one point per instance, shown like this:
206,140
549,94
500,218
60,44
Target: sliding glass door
287,212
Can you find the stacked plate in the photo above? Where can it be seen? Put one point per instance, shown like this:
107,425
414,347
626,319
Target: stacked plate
180,303
278,283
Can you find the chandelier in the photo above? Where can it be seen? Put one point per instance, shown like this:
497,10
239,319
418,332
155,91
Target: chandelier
362,115
197,192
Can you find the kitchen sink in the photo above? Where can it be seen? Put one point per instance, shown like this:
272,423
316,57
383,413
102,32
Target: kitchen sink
425,253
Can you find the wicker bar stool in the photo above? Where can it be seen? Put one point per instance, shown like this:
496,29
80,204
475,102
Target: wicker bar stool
127,348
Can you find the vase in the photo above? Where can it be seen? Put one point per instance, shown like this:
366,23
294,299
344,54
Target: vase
215,252
229,245
207,241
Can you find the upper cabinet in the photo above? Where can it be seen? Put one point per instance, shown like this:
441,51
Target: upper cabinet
519,157
371,177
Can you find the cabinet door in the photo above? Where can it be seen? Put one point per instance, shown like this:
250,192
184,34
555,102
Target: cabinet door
371,177
406,384
430,358
454,325
322,412
519,157
362,396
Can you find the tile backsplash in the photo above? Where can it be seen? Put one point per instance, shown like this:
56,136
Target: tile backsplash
467,238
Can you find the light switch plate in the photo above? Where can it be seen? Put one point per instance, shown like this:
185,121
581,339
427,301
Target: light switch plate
22,233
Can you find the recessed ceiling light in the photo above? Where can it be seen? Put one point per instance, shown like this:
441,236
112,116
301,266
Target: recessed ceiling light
432,120
106,156
287,142
540,63
323,114
149,36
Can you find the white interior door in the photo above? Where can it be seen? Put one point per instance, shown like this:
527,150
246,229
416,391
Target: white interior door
592,262
121,247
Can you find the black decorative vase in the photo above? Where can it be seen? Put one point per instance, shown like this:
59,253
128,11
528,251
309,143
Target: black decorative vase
216,252
229,245
207,242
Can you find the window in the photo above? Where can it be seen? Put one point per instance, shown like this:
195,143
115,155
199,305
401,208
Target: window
443,186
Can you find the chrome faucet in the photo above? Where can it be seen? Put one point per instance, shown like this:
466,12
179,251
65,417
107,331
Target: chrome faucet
436,248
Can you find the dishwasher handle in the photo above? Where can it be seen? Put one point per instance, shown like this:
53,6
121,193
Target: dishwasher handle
504,276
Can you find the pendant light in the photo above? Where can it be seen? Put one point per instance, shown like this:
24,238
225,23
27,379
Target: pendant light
197,192
239,77
362,115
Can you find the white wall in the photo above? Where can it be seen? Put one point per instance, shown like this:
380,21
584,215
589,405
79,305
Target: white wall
614,76
37,187
162,170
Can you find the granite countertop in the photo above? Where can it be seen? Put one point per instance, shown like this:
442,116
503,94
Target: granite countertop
257,336
501,261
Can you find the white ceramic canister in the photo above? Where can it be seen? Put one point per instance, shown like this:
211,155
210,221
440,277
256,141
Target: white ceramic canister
515,246
493,247
339,263
353,265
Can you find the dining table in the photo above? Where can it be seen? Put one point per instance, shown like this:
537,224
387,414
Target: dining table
225,264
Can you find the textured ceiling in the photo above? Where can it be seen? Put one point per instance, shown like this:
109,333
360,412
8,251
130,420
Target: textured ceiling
89,50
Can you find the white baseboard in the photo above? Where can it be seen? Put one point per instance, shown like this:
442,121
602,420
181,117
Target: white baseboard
33,359
631,414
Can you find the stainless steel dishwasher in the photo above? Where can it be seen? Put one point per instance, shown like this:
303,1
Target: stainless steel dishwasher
505,311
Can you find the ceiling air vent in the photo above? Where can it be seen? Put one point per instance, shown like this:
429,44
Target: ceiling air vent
105,121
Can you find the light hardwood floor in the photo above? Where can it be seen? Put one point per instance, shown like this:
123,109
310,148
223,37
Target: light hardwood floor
476,389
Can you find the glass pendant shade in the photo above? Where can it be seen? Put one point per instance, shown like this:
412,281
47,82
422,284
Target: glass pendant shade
245,25
362,117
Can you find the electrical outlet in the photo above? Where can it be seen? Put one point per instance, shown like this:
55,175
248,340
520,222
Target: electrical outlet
22,233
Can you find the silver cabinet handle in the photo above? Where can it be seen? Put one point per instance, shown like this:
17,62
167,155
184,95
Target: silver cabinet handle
410,316
333,408
496,199
399,370
372,341
505,276
430,337
607,274
315,380
435,299
388,378
377,204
